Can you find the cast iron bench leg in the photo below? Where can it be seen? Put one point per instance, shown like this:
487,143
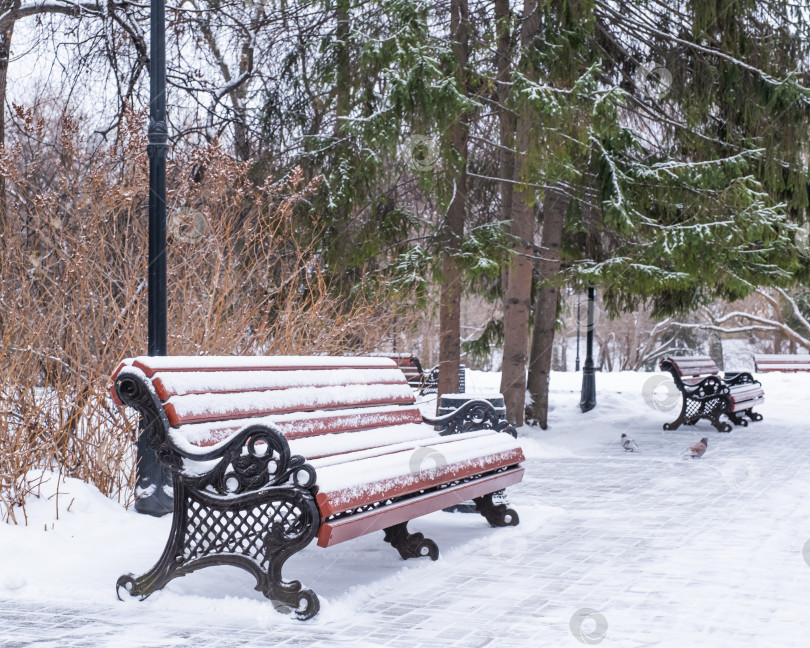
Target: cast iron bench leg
259,537
681,417
735,418
498,515
410,545
754,416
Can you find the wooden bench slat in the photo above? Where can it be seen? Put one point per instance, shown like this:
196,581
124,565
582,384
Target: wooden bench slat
198,382
783,357
781,362
770,367
695,366
332,532
153,364
353,446
739,406
219,407
300,425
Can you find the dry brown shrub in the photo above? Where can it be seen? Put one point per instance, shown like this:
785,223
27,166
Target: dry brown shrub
245,277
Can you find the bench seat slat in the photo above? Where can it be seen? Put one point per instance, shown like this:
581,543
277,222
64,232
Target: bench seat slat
332,532
744,391
300,425
198,408
350,485
739,406
200,382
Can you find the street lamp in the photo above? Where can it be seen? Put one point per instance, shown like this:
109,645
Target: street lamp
587,399
579,303
151,478
157,150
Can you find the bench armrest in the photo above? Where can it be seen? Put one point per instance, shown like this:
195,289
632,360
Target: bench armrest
739,378
709,387
474,415
256,457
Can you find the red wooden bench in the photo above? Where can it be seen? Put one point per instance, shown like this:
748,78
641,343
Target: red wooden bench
424,382
782,362
709,394
409,365
268,453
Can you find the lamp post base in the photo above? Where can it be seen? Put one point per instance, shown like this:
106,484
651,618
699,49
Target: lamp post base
588,395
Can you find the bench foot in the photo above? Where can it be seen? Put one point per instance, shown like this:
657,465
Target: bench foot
498,515
737,419
754,416
410,545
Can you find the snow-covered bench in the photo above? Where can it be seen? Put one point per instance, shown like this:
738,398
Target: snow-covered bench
409,365
709,394
424,382
268,453
782,362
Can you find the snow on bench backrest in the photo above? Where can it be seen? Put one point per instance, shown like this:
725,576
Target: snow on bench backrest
211,397
693,365
782,362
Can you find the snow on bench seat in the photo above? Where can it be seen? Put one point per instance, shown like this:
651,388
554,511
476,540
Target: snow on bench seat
346,486
746,396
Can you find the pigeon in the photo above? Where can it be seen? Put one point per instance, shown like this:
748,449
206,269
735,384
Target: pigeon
697,450
628,444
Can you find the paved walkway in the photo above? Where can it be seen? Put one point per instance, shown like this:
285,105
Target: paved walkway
614,549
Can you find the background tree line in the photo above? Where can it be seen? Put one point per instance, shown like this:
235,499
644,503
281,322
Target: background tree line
655,150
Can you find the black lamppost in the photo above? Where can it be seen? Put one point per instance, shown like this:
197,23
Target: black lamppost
157,150
154,499
579,303
587,400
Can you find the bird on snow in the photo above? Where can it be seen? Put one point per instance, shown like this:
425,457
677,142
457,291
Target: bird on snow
696,451
628,444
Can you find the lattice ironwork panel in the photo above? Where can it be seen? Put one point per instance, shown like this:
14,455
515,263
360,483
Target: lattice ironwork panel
233,531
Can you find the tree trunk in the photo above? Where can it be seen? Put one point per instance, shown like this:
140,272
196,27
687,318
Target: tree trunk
555,207
517,301
453,229
343,78
517,304
507,120
5,51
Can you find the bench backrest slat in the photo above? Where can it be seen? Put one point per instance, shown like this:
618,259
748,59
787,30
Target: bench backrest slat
781,362
198,408
208,399
230,382
150,365
694,365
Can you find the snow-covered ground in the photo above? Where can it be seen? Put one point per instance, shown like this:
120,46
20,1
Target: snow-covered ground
620,549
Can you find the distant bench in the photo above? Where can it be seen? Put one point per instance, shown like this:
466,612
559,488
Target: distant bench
424,382
268,453
709,394
781,362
